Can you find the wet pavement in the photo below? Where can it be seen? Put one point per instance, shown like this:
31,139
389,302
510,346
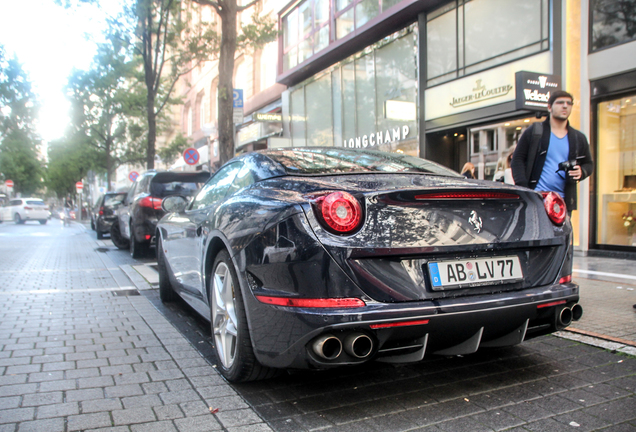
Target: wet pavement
80,349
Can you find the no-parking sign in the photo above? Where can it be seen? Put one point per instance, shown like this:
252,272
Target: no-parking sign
191,156
132,176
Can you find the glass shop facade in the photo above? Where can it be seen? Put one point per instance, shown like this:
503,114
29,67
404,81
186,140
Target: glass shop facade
441,85
458,81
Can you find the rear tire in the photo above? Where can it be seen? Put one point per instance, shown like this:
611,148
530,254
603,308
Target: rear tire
116,237
166,292
100,235
137,249
43,221
232,343
17,219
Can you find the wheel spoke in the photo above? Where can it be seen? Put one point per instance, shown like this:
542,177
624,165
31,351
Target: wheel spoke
223,316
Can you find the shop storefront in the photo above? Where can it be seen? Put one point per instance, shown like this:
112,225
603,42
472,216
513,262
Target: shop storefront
614,133
367,101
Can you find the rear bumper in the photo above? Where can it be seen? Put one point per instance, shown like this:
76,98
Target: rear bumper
285,337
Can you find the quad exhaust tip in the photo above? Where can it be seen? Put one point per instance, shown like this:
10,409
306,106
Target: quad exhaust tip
566,315
358,345
330,347
327,347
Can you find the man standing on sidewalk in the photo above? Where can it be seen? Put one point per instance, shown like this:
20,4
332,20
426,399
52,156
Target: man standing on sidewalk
553,156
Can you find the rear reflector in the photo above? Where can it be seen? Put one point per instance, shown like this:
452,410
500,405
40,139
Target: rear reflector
398,324
565,279
312,303
554,303
466,195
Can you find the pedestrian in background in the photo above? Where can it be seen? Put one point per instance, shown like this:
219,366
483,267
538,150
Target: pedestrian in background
552,155
468,170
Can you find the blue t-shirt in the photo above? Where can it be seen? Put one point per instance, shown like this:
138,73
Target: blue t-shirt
550,180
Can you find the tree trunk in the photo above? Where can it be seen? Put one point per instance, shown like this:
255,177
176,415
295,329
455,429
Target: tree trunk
226,73
109,163
152,130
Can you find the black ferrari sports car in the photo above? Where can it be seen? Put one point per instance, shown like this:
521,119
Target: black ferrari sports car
323,257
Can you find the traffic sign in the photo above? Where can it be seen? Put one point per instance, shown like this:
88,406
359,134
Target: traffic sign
8,183
237,98
191,156
79,186
132,176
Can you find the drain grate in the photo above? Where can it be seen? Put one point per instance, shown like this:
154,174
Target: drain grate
126,293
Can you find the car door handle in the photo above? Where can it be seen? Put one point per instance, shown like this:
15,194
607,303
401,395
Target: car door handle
199,232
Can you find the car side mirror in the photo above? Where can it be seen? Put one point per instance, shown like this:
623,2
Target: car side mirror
174,204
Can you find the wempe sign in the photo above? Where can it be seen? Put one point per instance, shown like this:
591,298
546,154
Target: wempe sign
533,90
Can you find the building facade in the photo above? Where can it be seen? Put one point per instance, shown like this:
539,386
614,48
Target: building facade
450,81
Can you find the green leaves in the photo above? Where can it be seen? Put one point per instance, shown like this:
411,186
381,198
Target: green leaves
18,139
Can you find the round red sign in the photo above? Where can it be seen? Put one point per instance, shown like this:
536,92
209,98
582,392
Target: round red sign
79,185
9,183
191,156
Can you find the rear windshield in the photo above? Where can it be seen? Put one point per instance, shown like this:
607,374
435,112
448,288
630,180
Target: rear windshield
112,200
37,203
339,160
162,190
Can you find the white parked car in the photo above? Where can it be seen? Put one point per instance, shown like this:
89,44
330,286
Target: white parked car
21,210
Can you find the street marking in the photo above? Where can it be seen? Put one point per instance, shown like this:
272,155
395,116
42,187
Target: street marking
616,275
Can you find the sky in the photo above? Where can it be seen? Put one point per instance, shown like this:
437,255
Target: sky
50,41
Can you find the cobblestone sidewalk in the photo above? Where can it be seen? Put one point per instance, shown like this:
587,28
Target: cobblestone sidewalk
74,355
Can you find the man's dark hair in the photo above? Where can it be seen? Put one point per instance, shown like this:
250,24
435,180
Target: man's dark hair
557,94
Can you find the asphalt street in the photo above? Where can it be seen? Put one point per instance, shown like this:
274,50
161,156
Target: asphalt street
85,344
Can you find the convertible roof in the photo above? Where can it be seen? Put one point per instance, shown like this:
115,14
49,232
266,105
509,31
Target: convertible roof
185,177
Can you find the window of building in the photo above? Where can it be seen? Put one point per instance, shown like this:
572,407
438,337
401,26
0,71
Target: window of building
307,27
188,120
612,22
466,36
268,66
366,101
200,111
616,172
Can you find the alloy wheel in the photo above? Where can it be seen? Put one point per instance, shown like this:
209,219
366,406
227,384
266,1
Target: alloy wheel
224,320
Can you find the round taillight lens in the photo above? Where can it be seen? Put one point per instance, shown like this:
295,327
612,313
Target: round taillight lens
554,206
341,212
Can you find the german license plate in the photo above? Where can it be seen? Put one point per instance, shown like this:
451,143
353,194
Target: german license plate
474,272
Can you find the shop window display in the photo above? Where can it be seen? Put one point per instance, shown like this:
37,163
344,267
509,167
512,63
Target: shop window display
616,206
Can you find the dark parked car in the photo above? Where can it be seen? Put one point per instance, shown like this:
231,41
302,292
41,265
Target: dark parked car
141,209
315,258
103,212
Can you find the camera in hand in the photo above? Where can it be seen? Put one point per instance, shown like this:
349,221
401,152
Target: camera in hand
566,165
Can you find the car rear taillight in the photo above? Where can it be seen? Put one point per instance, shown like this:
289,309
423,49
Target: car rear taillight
151,202
554,206
565,279
28,208
101,211
478,195
340,211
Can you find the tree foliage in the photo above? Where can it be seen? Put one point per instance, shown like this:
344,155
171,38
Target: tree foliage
170,153
70,159
19,140
108,107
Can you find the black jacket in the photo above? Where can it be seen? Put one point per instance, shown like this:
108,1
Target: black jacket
579,151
